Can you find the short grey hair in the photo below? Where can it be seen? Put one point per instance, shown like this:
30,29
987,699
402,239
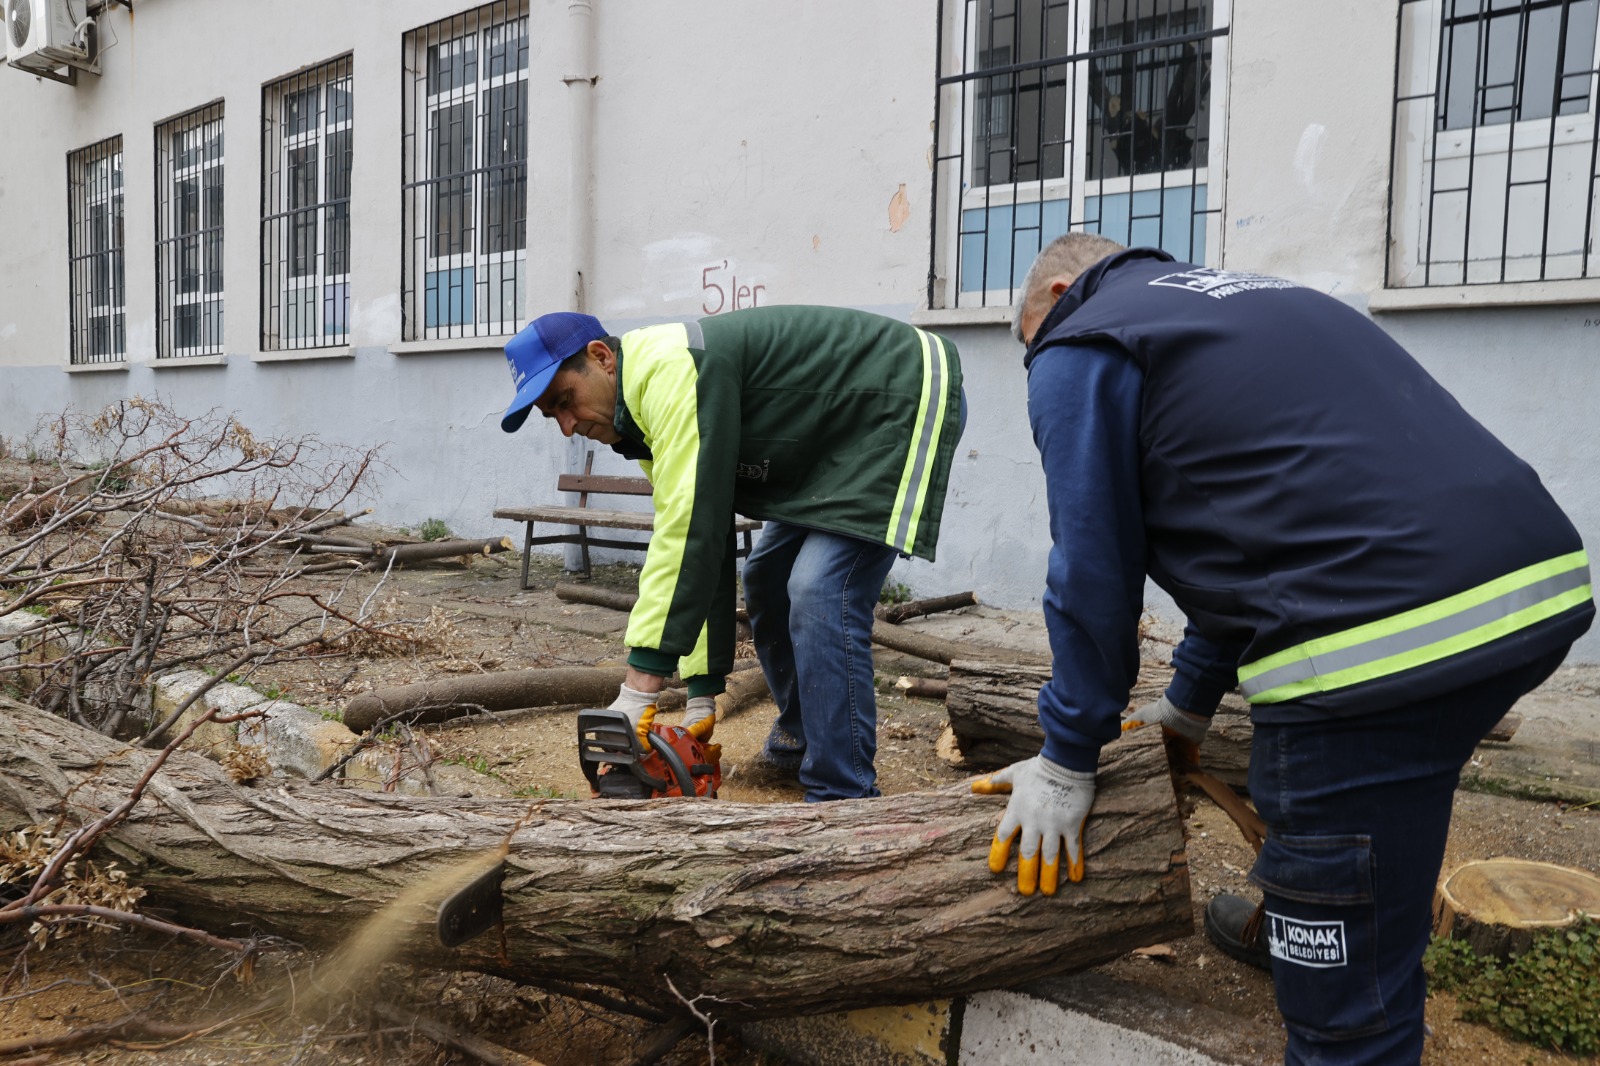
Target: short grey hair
1070,254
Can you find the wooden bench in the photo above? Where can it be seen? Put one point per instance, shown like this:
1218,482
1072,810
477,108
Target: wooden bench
583,516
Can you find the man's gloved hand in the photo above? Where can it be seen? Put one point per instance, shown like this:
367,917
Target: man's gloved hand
1182,731
632,702
700,716
1049,803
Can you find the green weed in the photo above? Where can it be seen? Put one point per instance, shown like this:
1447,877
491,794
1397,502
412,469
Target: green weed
895,592
1549,995
434,529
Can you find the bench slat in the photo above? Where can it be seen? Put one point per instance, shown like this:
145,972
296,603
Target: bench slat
589,516
604,483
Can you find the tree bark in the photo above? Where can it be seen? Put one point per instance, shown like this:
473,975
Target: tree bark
445,698
774,909
994,715
896,613
1497,905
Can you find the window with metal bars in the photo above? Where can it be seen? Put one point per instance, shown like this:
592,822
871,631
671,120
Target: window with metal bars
1496,139
189,234
1057,115
99,295
465,153
307,122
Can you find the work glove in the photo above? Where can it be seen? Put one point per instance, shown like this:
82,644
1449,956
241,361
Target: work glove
1049,803
1182,731
700,716
632,702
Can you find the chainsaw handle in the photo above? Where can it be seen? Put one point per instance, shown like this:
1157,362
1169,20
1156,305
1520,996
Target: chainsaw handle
675,763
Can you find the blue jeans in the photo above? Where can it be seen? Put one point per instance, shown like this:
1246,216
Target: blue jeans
1357,812
810,596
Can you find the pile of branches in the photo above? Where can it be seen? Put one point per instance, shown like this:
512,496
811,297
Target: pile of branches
144,540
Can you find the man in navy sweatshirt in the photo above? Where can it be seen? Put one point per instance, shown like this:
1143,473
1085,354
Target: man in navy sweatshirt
1378,574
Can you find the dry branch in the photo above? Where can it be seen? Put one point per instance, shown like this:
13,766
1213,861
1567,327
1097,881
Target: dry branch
769,908
924,688
940,650
896,613
401,554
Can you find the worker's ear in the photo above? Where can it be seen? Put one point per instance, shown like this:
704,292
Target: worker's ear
601,355
1060,285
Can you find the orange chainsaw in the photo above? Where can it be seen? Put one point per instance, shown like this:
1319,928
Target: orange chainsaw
647,761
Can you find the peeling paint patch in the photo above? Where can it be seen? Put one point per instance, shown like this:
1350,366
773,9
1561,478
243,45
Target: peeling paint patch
1305,155
899,209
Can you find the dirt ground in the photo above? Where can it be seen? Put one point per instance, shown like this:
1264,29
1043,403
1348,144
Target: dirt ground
475,617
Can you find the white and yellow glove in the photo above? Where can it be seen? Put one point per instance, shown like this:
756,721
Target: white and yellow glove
1049,804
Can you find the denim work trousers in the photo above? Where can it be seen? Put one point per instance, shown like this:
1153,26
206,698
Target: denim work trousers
810,596
1357,812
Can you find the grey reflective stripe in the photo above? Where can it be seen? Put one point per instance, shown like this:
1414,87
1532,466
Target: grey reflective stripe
1417,637
934,369
697,336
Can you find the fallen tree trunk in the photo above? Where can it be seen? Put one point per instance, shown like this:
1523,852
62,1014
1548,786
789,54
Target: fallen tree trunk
994,716
445,698
773,909
898,612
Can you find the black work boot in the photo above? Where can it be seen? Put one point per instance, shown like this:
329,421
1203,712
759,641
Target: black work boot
1233,924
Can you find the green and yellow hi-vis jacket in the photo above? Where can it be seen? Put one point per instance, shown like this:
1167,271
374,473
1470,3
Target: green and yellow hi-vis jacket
822,417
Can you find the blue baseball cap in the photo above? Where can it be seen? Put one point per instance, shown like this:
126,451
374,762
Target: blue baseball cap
536,353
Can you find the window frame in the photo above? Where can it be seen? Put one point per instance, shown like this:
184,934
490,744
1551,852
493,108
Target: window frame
204,241
1500,161
307,309
99,309
473,286
1076,189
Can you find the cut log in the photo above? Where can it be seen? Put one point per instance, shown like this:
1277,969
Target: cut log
924,688
445,698
615,599
401,554
1505,728
895,613
994,717
940,650
1497,905
773,909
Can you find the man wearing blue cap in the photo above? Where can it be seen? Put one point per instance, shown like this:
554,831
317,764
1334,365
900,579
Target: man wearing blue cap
835,427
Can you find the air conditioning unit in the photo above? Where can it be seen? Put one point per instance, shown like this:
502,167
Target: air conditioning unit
43,35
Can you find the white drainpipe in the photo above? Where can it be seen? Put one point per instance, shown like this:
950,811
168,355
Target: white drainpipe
580,96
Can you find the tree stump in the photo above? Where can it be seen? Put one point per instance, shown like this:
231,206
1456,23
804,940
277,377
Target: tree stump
1497,905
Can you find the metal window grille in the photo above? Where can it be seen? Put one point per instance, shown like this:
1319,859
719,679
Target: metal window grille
465,152
1058,115
1495,141
307,123
94,214
189,234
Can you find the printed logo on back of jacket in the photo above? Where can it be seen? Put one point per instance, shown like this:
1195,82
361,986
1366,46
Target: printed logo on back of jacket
755,471
1219,284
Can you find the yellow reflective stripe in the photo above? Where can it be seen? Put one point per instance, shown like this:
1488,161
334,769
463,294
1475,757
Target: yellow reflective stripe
655,383
698,662
1443,649
1422,635
912,494
929,445
1417,616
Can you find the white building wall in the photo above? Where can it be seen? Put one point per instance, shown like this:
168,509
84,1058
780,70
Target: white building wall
790,153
